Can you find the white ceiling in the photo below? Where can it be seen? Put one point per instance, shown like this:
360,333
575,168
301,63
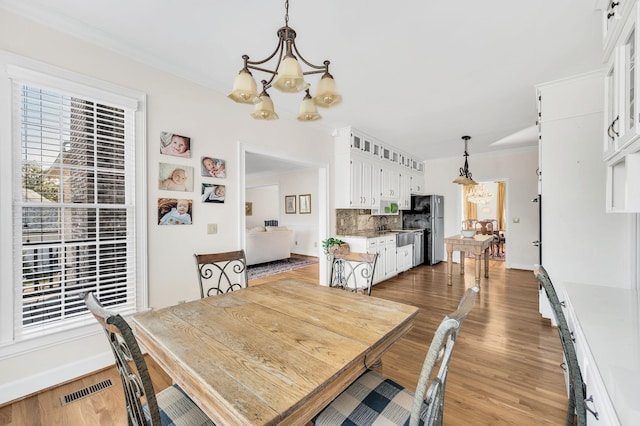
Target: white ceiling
417,74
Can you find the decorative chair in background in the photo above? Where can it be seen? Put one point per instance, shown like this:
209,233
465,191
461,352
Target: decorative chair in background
353,271
168,407
577,407
220,273
363,403
469,224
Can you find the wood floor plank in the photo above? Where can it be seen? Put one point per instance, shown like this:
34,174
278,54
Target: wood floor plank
505,368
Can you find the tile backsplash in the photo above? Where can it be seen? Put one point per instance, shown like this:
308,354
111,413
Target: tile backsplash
350,221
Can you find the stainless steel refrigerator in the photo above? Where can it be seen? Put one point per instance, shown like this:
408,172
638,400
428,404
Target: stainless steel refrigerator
427,212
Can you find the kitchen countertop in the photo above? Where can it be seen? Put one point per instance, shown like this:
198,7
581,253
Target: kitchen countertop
609,318
374,234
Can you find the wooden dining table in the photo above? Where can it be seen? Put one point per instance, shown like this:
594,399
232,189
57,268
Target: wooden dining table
276,353
478,245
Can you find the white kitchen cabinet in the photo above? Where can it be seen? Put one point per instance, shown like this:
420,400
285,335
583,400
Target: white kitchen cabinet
385,246
614,16
622,117
404,258
376,174
623,184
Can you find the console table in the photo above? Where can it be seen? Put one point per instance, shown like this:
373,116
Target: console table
478,244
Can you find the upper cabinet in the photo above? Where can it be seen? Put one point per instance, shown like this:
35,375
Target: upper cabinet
376,174
614,16
621,133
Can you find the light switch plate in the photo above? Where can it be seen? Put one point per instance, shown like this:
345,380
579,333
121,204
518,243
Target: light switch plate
212,228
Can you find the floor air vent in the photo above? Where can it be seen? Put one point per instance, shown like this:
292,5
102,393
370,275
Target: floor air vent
83,393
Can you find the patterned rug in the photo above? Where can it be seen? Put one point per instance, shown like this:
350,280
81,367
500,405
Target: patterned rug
265,269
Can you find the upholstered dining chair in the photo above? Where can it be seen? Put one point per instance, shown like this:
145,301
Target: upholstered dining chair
577,406
353,271
374,399
220,273
169,406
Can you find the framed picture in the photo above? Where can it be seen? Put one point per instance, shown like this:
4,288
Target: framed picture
174,211
248,208
212,193
305,203
177,145
174,177
213,167
289,204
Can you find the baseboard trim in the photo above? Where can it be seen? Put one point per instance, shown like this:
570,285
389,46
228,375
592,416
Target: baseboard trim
27,386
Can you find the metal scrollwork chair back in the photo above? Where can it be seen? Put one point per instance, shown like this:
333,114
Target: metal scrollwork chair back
220,273
364,402
144,406
577,406
353,271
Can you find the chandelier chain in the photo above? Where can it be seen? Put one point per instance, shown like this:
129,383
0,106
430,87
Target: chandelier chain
286,13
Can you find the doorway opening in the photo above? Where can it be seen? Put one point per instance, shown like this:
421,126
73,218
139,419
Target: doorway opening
484,208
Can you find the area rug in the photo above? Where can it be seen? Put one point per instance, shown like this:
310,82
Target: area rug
265,269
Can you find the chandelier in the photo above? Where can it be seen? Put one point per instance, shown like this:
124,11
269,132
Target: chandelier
479,194
287,76
465,174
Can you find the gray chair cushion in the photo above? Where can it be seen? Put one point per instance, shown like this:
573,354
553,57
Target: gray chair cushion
176,408
371,398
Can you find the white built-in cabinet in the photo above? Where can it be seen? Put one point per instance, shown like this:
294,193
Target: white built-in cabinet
374,175
621,136
404,258
385,246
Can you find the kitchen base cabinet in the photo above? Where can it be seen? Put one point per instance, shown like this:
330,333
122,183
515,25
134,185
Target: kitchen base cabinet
384,246
404,258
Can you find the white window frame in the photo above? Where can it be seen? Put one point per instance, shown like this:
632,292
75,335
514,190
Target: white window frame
46,76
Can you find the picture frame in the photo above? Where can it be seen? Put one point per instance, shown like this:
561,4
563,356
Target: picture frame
248,208
175,211
289,204
213,167
175,177
213,193
174,144
304,203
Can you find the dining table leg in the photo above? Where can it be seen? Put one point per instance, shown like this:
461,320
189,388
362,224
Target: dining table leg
462,256
449,264
486,263
478,253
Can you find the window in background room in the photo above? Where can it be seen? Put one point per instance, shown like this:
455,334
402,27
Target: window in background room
74,211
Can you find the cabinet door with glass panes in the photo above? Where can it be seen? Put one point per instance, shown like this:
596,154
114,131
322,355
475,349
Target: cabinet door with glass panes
621,81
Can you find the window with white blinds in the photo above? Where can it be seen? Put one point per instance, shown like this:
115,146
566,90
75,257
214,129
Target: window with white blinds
74,216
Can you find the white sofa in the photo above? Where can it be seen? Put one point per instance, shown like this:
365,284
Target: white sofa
266,244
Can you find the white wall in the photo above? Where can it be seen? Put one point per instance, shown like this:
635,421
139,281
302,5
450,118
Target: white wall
518,169
217,127
304,226
265,204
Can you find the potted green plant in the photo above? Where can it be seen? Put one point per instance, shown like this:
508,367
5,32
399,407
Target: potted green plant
332,246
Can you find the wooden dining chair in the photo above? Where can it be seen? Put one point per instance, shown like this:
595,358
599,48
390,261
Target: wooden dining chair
144,407
375,399
220,273
353,271
577,405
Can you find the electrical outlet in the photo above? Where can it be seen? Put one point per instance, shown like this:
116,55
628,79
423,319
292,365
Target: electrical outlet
212,228
516,220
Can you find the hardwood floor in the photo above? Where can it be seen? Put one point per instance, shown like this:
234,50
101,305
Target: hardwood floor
505,369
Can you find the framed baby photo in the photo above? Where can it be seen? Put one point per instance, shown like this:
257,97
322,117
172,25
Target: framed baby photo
175,177
304,203
213,193
213,167
175,211
174,144
289,204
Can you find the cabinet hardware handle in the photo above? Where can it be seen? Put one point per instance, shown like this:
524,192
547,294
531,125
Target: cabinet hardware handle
564,304
595,413
613,4
613,124
573,339
563,366
611,15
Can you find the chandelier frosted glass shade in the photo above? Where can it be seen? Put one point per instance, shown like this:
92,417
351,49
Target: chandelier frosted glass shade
289,76
245,89
308,110
264,109
327,96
